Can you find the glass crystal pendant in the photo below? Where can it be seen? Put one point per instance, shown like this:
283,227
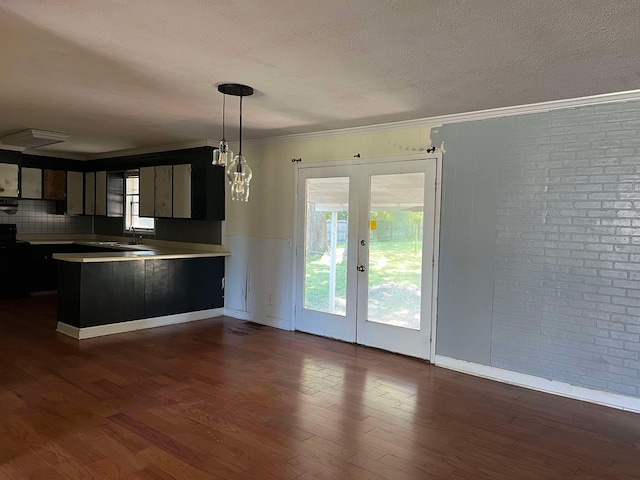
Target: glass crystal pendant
239,174
223,156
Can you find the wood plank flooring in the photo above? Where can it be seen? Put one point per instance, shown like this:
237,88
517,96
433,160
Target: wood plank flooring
226,399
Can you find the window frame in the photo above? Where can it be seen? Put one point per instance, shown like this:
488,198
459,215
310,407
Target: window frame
128,211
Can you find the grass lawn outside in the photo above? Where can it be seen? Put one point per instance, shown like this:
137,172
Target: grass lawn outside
394,282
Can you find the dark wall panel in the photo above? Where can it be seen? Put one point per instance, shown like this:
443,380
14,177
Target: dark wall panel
112,292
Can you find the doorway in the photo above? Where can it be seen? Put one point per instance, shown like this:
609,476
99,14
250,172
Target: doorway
366,255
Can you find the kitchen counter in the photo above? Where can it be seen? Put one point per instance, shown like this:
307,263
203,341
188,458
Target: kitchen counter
121,250
101,291
138,252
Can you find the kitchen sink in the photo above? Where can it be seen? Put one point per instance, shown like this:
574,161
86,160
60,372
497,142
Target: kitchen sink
123,245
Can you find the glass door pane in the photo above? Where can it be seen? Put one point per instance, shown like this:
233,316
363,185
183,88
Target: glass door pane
395,249
326,240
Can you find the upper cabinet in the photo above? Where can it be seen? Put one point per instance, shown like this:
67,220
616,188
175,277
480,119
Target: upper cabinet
115,194
207,191
101,193
75,193
182,191
90,193
163,191
31,185
147,191
9,180
54,184
173,184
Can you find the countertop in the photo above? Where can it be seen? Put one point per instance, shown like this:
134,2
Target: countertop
122,251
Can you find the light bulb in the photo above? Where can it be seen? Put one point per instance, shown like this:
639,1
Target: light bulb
239,175
223,155
231,169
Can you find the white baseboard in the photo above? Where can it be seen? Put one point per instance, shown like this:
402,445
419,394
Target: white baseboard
532,382
113,328
262,320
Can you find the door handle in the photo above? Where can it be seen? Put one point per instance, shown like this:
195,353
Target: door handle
361,268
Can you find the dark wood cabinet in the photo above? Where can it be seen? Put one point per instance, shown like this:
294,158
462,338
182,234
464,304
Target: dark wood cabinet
43,268
207,181
54,185
115,194
101,293
14,270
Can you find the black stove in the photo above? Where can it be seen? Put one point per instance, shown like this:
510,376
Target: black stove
14,263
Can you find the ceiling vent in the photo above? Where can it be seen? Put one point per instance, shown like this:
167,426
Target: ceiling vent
33,138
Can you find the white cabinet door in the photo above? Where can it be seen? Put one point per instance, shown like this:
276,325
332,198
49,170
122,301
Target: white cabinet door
101,193
90,193
75,193
9,180
163,196
147,191
31,183
182,191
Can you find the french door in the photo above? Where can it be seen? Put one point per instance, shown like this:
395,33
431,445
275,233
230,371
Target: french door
365,255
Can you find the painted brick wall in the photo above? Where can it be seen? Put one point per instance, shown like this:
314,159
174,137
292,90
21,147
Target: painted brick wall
566,300
38,217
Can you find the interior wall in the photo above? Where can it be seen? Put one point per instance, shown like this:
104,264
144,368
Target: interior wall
259,233
540,239
471,165
540,247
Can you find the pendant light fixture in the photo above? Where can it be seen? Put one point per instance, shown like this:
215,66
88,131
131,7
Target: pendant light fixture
223,155
238,171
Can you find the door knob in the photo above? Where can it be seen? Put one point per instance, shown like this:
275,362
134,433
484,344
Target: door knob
361,268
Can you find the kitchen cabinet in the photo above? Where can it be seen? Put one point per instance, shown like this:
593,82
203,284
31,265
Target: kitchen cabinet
14,270
9,180
54,185
43,268
101,193
208,184
31,185
147,191
75,193
115,194
90,193
163,191
182,191
102,293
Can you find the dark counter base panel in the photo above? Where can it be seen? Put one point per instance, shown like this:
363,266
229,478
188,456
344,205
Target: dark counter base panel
92,294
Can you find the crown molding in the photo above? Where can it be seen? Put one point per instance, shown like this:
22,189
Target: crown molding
616,97
54,154
155,149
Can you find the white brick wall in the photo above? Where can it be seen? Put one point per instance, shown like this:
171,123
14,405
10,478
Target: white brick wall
567,267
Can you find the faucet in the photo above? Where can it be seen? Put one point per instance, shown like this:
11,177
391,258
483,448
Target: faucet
133,235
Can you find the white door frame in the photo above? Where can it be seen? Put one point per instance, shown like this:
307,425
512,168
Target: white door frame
437,156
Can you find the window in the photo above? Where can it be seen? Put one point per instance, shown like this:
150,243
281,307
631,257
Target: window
132,205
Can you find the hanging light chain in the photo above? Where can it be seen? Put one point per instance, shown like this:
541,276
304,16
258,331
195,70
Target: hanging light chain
224,114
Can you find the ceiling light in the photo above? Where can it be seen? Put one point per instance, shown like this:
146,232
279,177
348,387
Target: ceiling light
238,171
223,155
33,138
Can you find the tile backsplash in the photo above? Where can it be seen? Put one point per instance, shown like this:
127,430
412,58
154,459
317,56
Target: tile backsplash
38,216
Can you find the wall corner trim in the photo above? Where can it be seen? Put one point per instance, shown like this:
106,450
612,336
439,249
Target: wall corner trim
122,327
274,322
532,382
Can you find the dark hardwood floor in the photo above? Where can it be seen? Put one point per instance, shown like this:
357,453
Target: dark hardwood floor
226,399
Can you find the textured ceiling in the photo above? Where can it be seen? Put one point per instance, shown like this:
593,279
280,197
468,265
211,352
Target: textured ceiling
126,74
